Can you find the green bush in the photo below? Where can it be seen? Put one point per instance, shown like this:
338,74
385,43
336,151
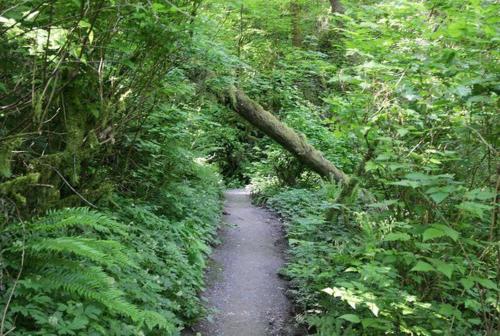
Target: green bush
82,272
383,273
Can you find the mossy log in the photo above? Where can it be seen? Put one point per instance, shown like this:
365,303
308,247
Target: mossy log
290,139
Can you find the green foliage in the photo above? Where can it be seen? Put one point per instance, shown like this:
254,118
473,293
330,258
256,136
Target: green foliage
63,259
418,86
97,112
382,274
84,272
105,104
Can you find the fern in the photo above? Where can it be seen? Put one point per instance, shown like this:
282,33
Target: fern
65,266
83,218
152,320
98,251
93,287
93,284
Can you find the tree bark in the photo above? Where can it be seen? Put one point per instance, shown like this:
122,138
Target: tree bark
291,140
295,10
331,40
337,6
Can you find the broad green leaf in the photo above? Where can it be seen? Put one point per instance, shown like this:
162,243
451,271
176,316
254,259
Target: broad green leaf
467,283
371,165
398,166
402,131
445,268
448,310
397,236
457,29
384,157
406,183
474,208
475,321
449,232
432,233
422,266
84,24
439,230
472,304
376,323
486,283
480,194
438,197
420,177
351,318
160,8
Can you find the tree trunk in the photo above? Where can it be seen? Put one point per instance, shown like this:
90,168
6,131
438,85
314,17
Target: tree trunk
296,24
291,140
337,6
331,40
193,14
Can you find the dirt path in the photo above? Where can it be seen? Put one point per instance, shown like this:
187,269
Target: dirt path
244,288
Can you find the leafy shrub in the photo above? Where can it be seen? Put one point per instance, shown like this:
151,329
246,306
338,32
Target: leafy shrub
416,91
69,264
98,114
385,274
83,272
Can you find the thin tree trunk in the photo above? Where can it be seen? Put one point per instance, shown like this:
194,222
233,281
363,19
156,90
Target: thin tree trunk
337,6
240,39
193,14
291,140
330,40
297,37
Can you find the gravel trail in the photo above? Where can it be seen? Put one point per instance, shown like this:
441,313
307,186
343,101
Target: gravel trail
244,290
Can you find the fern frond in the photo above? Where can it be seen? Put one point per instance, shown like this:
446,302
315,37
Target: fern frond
115,252
104,252
66,266
152,320
76,217
82,280
87,282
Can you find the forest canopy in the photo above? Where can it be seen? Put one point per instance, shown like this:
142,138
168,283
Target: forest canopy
121,122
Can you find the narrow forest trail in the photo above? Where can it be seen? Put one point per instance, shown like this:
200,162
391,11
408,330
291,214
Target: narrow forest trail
244,290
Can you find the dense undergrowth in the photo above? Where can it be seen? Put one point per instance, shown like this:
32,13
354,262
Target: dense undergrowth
379,275
414,95
112,140
107,210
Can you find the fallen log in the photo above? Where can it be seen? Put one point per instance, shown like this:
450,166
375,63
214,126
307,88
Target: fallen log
291,140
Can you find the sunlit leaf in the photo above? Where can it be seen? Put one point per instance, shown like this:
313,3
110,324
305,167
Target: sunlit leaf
373,308
445,268
432,233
